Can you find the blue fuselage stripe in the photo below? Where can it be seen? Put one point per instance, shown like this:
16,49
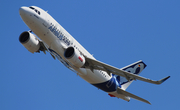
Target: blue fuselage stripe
108,86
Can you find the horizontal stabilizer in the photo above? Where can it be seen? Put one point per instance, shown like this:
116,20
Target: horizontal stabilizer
122,92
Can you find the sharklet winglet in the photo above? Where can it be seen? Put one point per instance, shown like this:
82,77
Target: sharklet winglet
164,79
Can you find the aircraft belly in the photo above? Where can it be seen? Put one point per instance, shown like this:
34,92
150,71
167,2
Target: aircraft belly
107,84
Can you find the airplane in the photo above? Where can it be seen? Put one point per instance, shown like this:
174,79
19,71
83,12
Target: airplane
53,38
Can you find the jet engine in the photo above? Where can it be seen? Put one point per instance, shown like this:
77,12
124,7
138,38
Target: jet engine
29,41
74,57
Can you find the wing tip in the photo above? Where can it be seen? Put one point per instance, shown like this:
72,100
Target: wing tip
164,79
148,103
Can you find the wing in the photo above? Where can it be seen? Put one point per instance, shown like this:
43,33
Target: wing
94,64
127,94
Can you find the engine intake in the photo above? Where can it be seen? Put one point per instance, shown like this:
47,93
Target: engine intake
29,41
74,56
69,52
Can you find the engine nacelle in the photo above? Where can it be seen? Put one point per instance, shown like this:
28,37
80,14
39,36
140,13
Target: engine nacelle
29,41
74,56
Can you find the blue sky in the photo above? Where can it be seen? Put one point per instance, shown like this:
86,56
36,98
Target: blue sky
118,32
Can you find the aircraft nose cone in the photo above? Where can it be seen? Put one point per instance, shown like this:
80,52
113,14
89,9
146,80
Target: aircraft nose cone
24,13
22,10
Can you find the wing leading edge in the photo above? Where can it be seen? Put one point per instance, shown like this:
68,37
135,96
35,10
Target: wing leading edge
94,64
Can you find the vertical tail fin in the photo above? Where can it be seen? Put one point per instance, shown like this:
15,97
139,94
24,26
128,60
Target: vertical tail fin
134,68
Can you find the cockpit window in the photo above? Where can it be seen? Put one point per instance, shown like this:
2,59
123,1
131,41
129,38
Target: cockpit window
39,13
35,10
31,8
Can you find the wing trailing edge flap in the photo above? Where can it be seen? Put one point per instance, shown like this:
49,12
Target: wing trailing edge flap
94,64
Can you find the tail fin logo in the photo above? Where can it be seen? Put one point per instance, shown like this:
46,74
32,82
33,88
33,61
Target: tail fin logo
136,68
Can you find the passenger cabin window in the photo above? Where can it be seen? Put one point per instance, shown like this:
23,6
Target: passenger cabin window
35,10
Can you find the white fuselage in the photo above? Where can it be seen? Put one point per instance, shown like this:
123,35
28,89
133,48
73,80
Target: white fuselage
58,39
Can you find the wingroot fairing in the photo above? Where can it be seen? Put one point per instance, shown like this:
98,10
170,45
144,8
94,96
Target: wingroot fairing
53,38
